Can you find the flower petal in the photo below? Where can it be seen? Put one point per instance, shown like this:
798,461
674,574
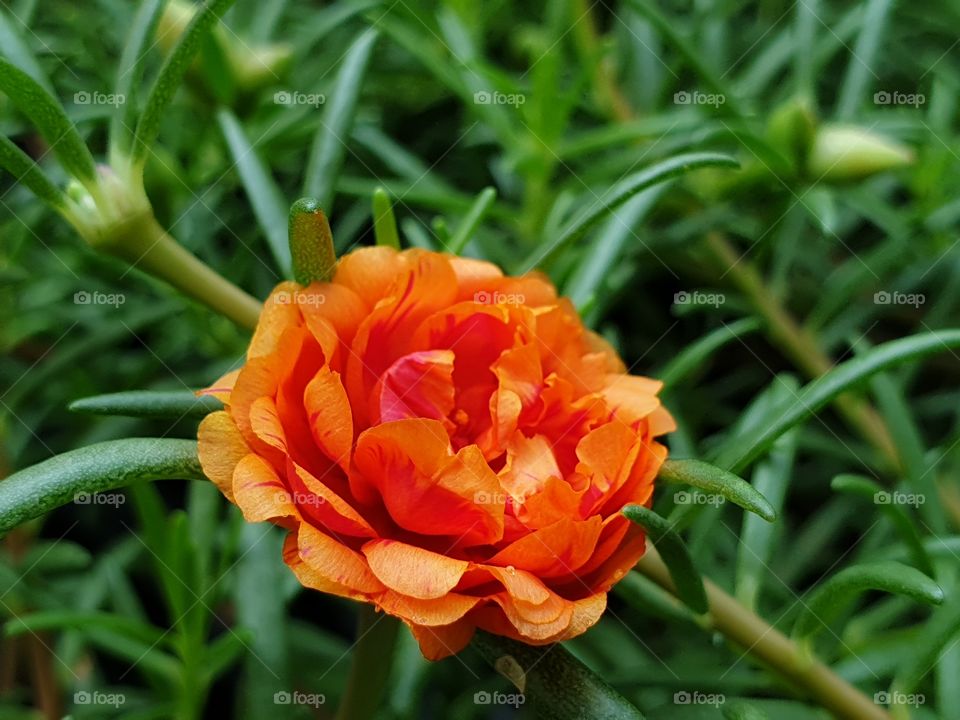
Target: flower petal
413,571
427,489
259,493
220,447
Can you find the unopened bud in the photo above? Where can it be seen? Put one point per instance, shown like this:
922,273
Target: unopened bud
843,153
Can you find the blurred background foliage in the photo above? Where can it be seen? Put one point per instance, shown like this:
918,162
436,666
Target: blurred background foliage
843,117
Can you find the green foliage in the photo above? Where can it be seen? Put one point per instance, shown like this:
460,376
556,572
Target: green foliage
614,146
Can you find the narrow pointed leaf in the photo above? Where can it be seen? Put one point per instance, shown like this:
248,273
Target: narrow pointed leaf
557,684
384,222
330,143
38,489
171,76
468,226
49,117
834,595
130,73
25,171
686,578
818,393
173,404
716,481
623,191
265,196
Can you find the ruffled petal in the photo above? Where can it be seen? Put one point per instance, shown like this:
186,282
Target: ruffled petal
413,571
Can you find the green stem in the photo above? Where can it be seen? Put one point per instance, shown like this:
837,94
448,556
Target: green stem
144,244
773,648
367,682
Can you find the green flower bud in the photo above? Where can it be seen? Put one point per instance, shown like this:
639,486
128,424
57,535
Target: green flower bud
843,153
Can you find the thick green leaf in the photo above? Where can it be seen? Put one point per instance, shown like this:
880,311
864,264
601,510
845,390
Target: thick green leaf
558,685
49,117
831,597
129,75
330,143
173,404
716,481
38,489
464,232
171,76
686,578
816,394
620,193
311,242
265,196
25,171
384,223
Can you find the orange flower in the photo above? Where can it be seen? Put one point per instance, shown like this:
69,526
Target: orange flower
444,442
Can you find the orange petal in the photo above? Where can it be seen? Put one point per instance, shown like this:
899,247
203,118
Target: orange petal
430,612
330,416
442,641
413,571
427,489
259,493
631,397
529,465
279,313
223,387
521,585
220,448
335,562
607,455
552,551
417,385
333,304
473,276
370,272
318,502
